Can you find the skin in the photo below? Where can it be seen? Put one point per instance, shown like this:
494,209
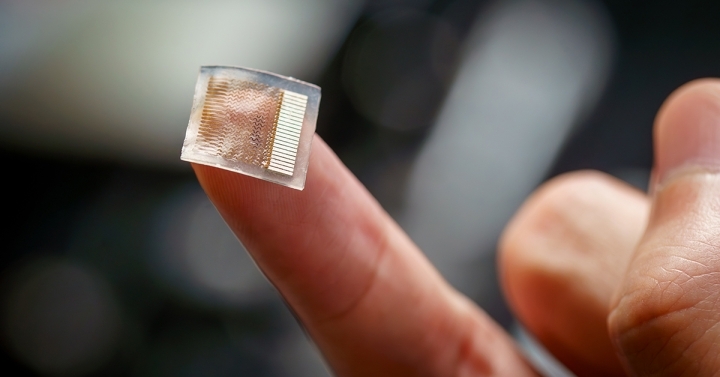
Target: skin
611,280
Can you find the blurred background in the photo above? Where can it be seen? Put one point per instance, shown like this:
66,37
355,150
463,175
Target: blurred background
450,111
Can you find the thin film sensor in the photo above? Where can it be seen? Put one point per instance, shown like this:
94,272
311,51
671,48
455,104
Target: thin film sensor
253,122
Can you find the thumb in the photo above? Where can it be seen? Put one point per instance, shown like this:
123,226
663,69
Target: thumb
665,318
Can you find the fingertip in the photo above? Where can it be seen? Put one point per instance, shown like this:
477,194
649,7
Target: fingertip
687,129
560,260
552,230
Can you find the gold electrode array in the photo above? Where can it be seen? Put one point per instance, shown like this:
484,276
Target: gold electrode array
252,123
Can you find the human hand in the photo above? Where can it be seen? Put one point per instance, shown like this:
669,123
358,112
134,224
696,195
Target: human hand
606,290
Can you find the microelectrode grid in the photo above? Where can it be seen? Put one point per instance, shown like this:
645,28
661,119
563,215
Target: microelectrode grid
254,123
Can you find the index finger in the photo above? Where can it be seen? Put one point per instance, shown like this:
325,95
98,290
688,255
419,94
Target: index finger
367,296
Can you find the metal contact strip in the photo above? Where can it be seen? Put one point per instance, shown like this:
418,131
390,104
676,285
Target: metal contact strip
286,151
293,123
282,165
290,130
287,134
280,170
295,105
285,145
291,137
281,162
293,102
293,113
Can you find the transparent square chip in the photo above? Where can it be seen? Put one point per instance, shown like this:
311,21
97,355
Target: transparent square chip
254,123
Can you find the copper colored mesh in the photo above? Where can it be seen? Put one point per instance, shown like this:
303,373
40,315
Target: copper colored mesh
238,120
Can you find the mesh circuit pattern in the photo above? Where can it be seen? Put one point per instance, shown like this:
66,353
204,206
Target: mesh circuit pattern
238,120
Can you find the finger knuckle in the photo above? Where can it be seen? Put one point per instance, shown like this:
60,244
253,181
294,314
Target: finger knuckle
667,311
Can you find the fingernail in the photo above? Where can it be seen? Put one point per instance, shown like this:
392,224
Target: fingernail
687,134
